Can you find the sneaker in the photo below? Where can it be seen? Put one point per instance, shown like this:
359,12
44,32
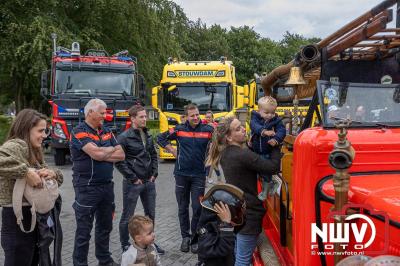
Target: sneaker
160,251
185,244
194,248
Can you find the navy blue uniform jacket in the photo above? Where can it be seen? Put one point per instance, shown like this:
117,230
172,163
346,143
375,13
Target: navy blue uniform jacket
85,170
192,147
258,124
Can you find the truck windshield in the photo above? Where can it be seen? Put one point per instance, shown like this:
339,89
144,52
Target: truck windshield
93,83
215,97
366,104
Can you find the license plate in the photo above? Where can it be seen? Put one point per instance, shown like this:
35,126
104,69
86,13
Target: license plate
122,114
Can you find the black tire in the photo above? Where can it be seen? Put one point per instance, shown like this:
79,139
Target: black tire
59,157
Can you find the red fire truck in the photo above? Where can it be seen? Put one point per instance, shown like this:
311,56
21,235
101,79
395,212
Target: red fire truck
354,76
76,78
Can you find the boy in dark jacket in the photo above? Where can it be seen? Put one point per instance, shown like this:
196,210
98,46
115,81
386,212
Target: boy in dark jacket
267,131
223,208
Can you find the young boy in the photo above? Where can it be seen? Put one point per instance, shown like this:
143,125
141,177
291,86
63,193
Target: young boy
223,208
142,251
267,131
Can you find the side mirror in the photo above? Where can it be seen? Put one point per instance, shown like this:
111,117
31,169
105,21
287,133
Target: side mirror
44,81
396,95
171,88
252,93
246,90
239,97
142,87
154,97
246,94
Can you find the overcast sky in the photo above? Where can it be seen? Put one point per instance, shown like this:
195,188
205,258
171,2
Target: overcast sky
271,18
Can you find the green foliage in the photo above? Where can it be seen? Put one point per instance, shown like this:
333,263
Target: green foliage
152,30
5,123
205,43
154,128
153,124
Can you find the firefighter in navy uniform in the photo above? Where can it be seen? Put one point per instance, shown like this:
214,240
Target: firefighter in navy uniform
94,149
190,174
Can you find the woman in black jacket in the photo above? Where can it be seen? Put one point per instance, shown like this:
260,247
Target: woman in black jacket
241,168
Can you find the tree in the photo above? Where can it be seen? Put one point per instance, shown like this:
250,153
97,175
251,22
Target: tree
152,30
205,43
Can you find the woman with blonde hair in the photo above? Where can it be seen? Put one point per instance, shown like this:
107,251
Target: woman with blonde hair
21,156
241,168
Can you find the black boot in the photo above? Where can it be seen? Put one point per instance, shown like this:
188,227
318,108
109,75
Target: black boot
185,244
194,248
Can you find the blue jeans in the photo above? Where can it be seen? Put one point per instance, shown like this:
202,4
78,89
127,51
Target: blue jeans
131,194
244,248
187,188
93,202
266,178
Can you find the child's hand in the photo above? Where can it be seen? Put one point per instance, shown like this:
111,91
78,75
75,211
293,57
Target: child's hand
272,142
268,133
223,212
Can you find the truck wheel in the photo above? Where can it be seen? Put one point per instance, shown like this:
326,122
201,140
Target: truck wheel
59,157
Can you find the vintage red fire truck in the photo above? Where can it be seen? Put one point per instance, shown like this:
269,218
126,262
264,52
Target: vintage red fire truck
77,78
354,77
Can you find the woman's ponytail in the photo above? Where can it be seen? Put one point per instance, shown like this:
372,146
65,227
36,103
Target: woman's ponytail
218,143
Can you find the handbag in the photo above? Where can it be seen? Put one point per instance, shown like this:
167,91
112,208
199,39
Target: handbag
42,199
218,172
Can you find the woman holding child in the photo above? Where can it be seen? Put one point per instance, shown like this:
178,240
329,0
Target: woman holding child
241,168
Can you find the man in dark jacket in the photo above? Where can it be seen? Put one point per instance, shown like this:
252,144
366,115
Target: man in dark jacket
192,138
140,171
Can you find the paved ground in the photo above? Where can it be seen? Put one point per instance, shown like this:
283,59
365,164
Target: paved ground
167,228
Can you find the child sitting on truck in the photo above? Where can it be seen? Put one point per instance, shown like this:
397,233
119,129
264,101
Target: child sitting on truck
267,131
